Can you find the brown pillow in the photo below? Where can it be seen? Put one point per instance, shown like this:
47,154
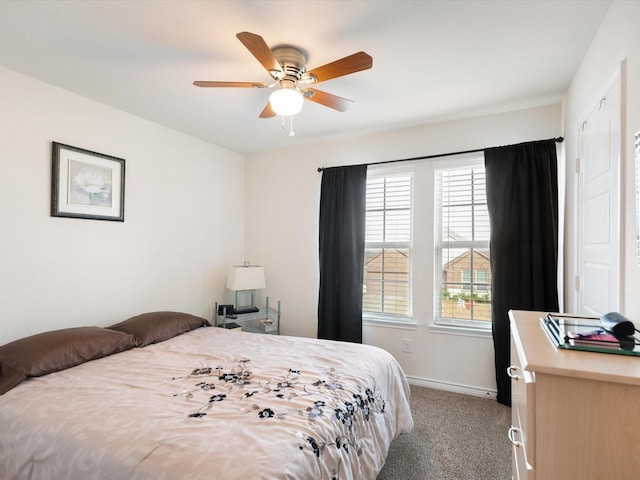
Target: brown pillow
154,327
56,350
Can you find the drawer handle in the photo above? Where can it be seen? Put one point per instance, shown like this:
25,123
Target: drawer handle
512,436
511,372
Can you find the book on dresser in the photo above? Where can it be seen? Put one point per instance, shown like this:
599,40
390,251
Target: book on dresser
594,337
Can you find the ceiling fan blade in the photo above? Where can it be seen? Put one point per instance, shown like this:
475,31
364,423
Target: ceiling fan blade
351,64
258,47
268,111
327,99
199,83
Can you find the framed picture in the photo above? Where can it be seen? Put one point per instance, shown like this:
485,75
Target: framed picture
86,184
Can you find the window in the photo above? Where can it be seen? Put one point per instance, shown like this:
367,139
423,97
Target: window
462,262
482,279
387,262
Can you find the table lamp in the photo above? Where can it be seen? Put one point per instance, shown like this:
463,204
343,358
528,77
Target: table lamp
245,280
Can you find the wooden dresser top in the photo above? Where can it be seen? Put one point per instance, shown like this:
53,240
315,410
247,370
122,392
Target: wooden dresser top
539,355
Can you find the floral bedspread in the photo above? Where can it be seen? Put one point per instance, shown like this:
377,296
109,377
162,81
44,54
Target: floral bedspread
212,404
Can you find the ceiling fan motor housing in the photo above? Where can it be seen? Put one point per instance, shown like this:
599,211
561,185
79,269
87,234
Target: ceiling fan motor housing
293,61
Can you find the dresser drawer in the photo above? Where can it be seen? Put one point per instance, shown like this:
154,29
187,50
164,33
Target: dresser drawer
522,433
519,464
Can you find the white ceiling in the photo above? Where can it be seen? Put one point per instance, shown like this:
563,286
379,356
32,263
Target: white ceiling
432,60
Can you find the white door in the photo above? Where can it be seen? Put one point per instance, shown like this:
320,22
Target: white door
598,283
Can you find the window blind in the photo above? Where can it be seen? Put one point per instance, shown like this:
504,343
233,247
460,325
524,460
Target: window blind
387,265
462,245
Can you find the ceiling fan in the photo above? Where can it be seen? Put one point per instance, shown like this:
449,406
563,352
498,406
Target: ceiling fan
287,66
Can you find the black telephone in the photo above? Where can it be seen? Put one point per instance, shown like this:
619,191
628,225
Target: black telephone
617,324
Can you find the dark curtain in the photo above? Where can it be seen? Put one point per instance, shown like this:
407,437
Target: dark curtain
522,198
342,227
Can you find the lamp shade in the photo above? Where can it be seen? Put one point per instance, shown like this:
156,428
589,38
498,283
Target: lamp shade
286,101
249,277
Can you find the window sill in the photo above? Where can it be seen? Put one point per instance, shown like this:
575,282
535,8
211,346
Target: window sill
460,330
373,321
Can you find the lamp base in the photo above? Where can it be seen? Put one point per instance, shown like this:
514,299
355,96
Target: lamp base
240,311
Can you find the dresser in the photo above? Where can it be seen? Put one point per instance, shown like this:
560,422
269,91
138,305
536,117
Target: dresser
575,414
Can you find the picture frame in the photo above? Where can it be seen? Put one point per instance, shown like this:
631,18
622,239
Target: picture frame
86,184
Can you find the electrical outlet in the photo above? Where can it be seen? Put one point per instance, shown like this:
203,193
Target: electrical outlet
406,345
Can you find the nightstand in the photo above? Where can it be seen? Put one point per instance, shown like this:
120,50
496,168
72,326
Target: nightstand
266,320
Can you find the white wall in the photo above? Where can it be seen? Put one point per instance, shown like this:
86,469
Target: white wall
617,41
169,254
282,205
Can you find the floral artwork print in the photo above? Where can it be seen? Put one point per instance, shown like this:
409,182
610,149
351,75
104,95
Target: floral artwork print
343,406
90,184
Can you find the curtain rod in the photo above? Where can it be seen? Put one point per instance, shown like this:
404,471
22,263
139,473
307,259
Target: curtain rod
438,155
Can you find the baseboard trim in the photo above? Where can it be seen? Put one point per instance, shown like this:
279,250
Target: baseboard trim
452,387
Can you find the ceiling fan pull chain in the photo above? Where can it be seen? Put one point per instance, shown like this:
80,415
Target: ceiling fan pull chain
283,125
291,132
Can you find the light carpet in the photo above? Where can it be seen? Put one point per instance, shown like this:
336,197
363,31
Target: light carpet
455,437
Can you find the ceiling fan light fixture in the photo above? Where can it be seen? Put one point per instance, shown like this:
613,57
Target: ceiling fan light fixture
286,101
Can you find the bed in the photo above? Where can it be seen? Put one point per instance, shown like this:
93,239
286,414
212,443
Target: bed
168,397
